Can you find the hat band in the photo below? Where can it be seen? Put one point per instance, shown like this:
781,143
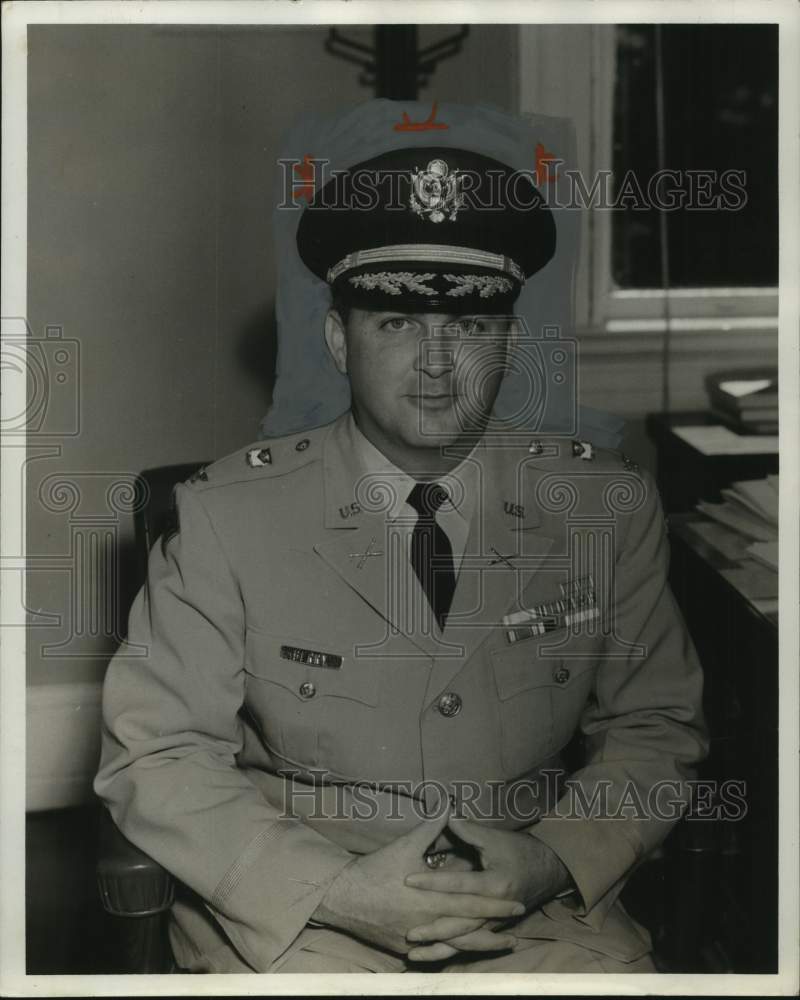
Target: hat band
427,253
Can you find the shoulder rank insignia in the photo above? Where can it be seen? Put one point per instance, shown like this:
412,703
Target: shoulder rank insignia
583,449
259,456
630,465
199,474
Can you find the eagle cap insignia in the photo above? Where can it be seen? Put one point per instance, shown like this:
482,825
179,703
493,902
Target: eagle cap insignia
436,192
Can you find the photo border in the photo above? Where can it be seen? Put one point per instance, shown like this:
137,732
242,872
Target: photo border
17,16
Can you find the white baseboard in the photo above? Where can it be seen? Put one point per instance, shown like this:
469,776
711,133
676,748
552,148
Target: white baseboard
63,744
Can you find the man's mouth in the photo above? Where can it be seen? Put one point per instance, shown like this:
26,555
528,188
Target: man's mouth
433,395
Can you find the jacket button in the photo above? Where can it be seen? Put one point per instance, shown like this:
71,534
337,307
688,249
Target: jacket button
450,704
307,689
561,675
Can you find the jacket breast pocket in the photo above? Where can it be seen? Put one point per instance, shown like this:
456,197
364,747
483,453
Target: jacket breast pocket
541,697
308,699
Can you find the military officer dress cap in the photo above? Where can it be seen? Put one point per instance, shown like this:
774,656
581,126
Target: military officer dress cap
433,229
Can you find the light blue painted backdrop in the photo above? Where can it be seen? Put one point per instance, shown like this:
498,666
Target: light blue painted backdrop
308,389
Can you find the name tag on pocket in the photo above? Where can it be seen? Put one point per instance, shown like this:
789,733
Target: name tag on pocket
311,657
577,604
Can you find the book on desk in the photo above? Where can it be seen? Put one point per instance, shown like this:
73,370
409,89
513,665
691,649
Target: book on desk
746,399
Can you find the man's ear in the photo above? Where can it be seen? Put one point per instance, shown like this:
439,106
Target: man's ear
336,339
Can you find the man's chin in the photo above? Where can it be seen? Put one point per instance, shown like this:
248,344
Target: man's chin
433,432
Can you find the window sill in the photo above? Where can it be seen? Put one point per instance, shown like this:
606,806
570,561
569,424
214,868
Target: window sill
703,324
688,336
723,304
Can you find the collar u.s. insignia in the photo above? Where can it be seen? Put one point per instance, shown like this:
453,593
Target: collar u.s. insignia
436,192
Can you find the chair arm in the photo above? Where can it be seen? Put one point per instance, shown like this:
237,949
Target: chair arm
131,883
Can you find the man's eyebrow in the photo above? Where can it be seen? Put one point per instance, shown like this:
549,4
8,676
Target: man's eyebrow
447,320
393,313
453,319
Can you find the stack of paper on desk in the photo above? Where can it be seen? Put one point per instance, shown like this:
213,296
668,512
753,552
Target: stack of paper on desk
756,495
740,519
750,508
766,553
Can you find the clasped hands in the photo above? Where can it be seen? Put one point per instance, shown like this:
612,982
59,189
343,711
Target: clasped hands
384,898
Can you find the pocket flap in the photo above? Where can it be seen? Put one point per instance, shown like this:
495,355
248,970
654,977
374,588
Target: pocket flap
521,666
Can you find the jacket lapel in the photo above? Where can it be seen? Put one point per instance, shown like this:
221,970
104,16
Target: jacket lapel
363,548
370,561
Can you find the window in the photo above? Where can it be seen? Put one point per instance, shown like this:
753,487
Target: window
718,86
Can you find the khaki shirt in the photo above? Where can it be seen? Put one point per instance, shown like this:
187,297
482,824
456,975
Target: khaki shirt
274,637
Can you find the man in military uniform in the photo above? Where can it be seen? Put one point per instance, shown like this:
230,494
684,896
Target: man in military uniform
370,644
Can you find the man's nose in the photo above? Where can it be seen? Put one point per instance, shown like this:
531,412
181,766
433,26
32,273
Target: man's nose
436,350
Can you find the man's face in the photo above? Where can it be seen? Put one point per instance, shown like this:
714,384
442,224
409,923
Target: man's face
420,380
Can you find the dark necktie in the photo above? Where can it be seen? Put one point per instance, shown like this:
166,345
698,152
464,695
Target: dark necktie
431,551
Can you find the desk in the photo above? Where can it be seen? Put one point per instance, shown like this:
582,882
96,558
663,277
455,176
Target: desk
726,908
685,474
